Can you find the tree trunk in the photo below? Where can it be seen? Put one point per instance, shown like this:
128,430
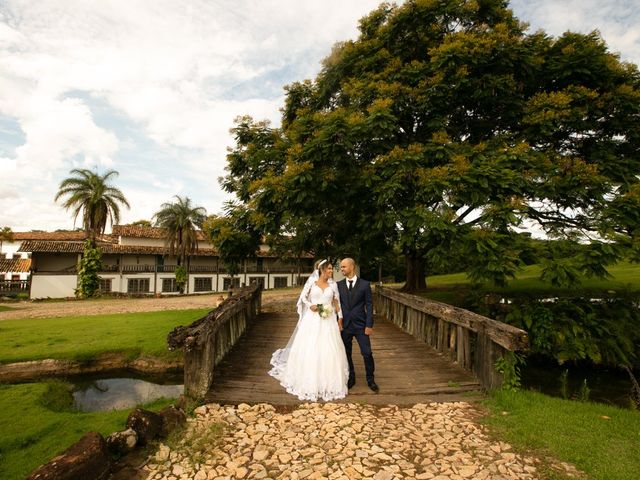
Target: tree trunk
415,273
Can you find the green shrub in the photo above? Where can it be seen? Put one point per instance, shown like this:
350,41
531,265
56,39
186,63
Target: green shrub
568,329
58,396
181,277
88,267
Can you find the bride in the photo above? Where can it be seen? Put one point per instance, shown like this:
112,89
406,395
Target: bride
314,364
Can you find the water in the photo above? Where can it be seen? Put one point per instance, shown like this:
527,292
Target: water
610,386
105,394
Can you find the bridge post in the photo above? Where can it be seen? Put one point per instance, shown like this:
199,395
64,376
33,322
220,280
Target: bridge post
198,368
206,341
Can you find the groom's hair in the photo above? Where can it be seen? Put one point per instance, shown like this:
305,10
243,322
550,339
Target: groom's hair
350,260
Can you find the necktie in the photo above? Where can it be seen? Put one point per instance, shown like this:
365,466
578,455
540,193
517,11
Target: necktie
350,284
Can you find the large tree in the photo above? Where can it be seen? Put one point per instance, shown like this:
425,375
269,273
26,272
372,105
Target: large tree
447,127
182,222
234,235
91,196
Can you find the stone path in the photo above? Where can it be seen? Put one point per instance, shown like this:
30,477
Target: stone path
436,441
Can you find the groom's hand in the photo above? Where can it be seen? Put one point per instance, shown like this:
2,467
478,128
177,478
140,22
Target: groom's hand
368,330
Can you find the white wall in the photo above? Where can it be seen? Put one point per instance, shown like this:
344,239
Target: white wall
204,244
9,275
61,286
53,286
147,242
10,249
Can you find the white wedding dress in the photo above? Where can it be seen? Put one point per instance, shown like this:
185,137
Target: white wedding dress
313,365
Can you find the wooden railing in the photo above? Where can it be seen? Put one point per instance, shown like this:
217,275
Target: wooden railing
206,341
14,286
472,341
195,269
138,268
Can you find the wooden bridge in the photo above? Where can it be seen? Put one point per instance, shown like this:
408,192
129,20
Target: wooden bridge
424,351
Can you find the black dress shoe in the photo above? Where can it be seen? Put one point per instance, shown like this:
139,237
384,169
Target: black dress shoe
351,382
374,387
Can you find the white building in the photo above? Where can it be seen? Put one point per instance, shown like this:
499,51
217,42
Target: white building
136,261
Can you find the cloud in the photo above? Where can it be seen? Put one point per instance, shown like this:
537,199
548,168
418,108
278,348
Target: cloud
176,73
151,88
60,129
617,21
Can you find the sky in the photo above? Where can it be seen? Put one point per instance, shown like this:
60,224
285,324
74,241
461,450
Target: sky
150,88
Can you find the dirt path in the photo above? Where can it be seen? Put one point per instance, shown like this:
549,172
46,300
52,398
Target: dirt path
271,299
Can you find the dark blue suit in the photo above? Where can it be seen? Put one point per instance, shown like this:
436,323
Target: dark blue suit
357,310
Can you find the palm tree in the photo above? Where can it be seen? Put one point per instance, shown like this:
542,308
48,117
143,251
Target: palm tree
90,194
6,235
181,220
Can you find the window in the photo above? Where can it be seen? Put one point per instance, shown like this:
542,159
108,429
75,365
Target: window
105,285
280,282
227,283
169,285
202,284
138,285
258,280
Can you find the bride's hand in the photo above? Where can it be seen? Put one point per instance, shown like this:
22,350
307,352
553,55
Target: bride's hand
313,308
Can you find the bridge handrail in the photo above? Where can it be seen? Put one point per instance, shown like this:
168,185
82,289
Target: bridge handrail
206,341
473,341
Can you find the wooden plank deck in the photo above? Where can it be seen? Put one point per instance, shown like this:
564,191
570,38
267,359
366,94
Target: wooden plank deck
407,371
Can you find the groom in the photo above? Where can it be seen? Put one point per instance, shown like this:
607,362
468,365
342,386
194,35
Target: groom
357,310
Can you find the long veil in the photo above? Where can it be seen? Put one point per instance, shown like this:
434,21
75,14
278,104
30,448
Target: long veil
280,356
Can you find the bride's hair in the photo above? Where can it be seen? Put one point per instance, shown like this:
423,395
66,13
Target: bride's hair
322,265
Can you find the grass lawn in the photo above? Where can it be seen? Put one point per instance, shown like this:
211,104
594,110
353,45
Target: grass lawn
453,288
4,308
33,432
82,338
601,440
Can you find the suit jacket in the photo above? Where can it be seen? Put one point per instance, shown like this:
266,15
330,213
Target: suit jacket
357,305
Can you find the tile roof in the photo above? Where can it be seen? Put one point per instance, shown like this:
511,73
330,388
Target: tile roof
15,265
72,242
137,231
106,248
59,235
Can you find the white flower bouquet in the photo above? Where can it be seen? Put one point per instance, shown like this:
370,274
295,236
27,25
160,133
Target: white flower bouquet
324,310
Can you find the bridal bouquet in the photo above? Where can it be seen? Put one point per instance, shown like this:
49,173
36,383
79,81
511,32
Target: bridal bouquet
324,310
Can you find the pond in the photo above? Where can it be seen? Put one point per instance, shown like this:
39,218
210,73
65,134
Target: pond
105,394
606,385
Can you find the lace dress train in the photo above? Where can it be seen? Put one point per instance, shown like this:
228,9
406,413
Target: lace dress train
314,364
